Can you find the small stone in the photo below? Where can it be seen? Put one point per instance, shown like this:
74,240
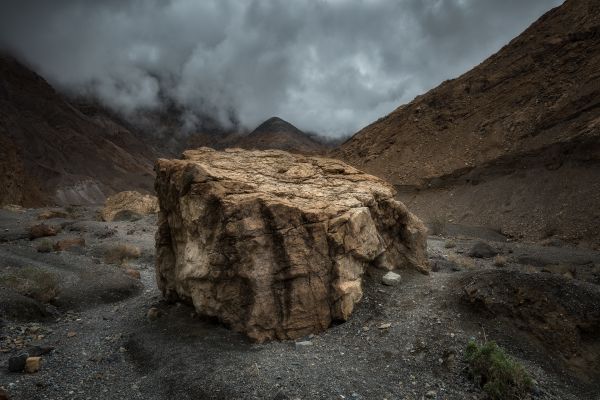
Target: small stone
133,273
304,343
431,394
153,314
385,326
17,363
33,364
391,279
71,334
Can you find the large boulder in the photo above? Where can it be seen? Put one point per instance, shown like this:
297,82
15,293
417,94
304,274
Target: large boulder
128,205
273,244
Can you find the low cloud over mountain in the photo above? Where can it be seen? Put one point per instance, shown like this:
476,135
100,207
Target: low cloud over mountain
328,66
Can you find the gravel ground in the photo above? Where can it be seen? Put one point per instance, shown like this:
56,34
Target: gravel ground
402,342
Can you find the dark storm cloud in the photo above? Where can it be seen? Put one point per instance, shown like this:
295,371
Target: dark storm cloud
330,66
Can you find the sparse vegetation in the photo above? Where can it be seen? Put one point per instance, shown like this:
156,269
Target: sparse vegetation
500,261
439,224
450,244
500,376
462,261
45,246
121,254
31,282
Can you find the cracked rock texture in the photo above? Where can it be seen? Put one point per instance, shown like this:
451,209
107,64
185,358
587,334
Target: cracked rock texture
273,244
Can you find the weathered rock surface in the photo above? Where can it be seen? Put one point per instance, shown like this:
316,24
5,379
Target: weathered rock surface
125,205
274,244
42,230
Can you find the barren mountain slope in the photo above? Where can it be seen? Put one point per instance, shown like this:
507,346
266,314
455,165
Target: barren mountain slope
514,143
59,154
276,133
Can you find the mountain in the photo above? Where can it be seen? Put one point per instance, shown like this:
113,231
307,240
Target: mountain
276,133
513,144
51,152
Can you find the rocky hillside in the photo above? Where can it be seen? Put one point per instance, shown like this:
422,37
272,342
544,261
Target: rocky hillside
53,153
513,144
276,133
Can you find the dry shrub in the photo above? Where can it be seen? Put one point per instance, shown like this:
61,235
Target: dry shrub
31,282
461,261
439,224
121,254
500,261
450,244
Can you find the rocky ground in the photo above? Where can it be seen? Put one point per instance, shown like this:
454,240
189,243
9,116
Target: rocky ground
112,336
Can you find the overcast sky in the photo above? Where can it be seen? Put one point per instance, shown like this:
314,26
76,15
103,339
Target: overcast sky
328,66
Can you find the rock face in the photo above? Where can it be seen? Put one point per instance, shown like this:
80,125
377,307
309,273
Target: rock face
127,205
275,244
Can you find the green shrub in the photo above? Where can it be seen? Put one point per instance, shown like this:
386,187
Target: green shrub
500,376
31,282
45,246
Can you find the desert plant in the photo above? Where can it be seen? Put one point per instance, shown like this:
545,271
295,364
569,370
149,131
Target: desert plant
500,261
31,282
498,374
121,254
438,224
449,244
45,246
461,261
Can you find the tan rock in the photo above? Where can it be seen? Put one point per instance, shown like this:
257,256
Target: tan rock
134,273
124,205
51,214
273,244
66,244
42,230
33,364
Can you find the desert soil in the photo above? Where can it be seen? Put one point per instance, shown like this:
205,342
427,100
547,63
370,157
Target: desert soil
402,342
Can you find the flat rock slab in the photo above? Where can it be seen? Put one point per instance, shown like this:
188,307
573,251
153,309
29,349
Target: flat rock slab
273,244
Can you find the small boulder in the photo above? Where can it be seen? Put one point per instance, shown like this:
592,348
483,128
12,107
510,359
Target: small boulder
129,205
391,279
42,230
17,363
482,250
33,364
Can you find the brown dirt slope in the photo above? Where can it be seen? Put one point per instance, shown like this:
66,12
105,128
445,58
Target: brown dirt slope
52,153
514,143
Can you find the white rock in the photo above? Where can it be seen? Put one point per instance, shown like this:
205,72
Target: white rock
391,279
